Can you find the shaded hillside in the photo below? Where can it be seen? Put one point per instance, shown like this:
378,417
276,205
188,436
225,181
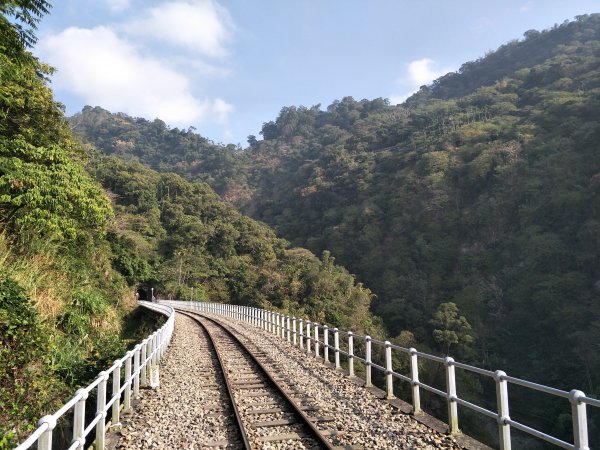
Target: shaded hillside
176,235
482,190
161,148
72,252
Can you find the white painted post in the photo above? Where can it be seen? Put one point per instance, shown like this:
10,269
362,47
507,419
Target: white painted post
308,345
154,368
301,324
579,417
451,395
336,347
100,411
116,406
144,374
294,331
283,326
389,369
127,392
277,324
136,371
288,329
414,375
503,412
326,343
45,440
79,419
350,354
368,382
316,334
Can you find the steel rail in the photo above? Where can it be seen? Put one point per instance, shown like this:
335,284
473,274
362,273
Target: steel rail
238,416
305,419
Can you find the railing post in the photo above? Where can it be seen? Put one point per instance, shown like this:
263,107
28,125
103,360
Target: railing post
414,376
283,316
308,345
389,370
100,411
144,374
350,353
503,412
336,347
288,329
136,371
45,440
281,333
316,334
579,416
79,419
276,324
127,392
301,326
326,343
116,388
451,395
294,331
154,368
368,382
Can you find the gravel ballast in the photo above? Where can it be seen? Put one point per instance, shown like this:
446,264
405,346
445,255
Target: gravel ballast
188,411
365,419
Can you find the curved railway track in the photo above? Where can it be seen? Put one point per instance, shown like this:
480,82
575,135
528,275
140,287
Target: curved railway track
268,412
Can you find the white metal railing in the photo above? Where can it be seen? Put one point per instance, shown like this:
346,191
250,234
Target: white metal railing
139,367
313,337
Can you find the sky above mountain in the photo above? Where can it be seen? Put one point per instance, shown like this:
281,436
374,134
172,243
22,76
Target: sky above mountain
226,67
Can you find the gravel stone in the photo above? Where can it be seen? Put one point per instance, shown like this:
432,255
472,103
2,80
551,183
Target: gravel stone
187,411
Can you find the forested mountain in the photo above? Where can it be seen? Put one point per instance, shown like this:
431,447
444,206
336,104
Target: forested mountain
80,232
482,191
178,235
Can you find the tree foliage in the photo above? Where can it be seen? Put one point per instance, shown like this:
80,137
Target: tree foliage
480,190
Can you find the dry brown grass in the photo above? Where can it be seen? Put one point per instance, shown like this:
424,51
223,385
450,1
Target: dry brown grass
39,274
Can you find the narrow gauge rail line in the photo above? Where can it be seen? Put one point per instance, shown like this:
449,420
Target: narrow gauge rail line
254,383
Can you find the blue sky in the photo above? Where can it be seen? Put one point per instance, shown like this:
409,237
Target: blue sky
225,67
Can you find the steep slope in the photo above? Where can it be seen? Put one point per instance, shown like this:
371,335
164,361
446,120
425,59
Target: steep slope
183,240
72,252
480,191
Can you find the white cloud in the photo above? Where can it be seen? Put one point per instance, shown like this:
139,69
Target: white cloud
204,27
118,5
422,71
104,69
418,73
527,6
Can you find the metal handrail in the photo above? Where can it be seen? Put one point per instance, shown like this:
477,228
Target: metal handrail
150,349
298,332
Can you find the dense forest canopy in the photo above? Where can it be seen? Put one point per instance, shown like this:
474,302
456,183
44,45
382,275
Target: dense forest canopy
472,210
80,232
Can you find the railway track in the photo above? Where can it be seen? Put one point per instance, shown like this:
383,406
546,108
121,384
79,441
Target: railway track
267,411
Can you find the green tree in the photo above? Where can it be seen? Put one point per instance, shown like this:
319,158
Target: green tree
450,328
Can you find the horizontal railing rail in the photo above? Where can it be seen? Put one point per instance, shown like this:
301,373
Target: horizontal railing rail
315,338
139,367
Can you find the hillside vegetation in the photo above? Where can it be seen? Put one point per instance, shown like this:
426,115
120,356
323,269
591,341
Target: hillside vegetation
472,210
80,233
